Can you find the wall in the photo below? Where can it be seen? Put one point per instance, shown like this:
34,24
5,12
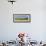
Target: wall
37,27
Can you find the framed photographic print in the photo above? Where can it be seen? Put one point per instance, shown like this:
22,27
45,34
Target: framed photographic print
21,18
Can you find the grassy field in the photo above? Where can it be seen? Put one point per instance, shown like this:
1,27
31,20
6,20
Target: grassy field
21,18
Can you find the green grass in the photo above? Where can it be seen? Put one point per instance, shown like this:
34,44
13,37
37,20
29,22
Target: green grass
21,18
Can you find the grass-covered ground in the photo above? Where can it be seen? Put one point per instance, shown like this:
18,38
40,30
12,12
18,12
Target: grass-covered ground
21,18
